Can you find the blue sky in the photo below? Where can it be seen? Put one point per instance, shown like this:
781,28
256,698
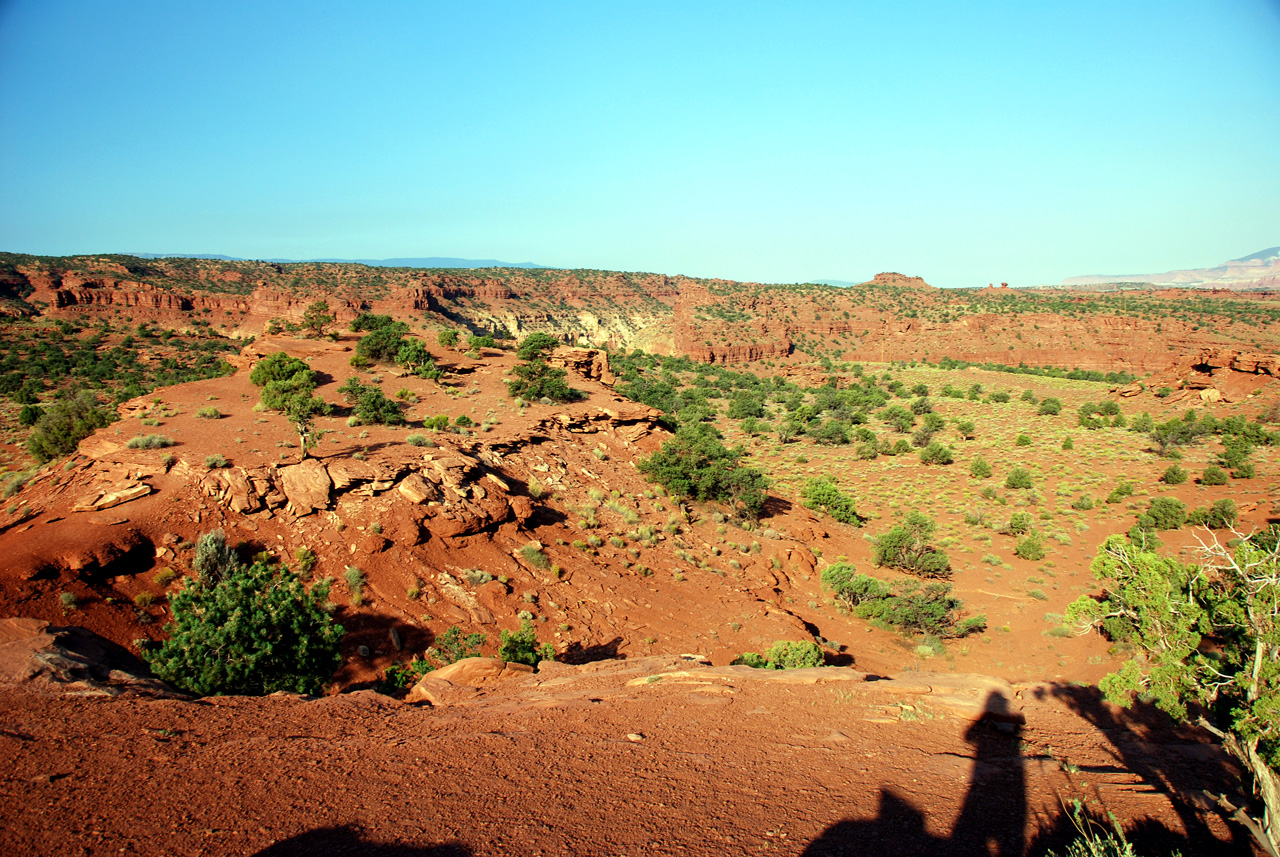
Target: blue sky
965,143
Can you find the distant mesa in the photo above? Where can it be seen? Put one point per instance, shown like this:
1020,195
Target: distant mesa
1256,272
422,262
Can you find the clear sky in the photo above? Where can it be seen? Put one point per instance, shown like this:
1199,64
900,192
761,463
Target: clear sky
963,142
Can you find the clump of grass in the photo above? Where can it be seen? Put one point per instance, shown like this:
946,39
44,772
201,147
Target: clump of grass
355,582
69,601
532,554
306,559
208,413
416,440
536,489
165,576
476,576
213,462
143,600
149,441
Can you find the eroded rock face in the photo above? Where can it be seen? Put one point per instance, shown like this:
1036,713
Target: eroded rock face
586,362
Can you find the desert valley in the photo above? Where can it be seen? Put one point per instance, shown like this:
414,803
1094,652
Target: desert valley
622,563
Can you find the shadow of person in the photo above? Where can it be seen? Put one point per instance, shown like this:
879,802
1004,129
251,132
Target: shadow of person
898,828
993,818
347,840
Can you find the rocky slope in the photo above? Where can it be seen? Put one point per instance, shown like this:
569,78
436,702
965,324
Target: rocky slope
654,755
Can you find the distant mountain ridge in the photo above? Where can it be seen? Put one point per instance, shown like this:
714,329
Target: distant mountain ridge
1257,271
422,262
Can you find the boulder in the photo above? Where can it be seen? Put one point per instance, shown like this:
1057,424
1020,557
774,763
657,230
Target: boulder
112,496
417,490
306,486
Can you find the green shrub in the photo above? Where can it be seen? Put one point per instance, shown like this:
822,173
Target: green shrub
1019,524
1213,475
907,547
254,631
1050,407
1244,471
214,559
532,554
278,367
694,463
355,583
999,397
464,421
1022,440
447,338
1083,503
907,606
453,646
785,655
522,646
1166,513
979,468
1068,443
62,425
1019,477
306,560
149,441
1221,515
1174,475
936,453
536,380
209,413
822,495
966,429
1120,492
1031,547
215,461
370,405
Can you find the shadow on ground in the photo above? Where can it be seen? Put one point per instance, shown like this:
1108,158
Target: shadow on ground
347,840
993,819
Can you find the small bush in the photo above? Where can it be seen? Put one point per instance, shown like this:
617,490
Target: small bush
215,461
1031,547
416,440
822,495
979,468
1083,503
1221,515
907,547
1019,524
1019,477
254,631
522,646
1050,407
1120,492
785,655
149,441
931,609
936,453
306,560
532,554
1022,440
1068,443
1213,475
1166,513
1174,475
208,413
355,583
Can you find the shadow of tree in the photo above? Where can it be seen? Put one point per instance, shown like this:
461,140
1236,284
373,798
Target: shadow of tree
348,840
577,653
993,817
1146,741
